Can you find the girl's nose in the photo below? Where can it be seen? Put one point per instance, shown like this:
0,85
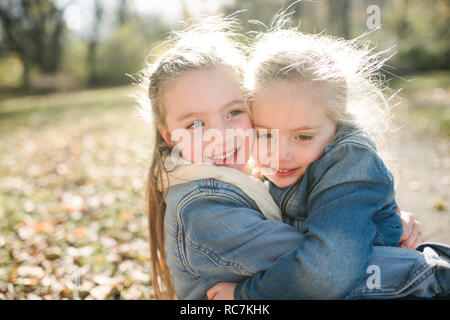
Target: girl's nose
217,124
216,135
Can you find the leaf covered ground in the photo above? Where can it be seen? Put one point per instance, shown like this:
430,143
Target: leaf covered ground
72,174
72,170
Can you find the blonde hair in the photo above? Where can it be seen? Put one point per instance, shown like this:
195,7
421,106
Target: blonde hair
201,45
348,68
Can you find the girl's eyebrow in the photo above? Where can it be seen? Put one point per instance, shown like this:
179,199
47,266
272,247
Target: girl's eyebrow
306,128
296,129
196,114
188,115
234,101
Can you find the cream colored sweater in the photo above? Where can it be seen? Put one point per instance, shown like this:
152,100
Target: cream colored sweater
182,171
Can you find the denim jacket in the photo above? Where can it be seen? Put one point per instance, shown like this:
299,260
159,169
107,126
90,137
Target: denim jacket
345,207
349,182
214,232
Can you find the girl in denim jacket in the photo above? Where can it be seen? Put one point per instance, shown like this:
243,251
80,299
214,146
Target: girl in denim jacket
317,100
211,223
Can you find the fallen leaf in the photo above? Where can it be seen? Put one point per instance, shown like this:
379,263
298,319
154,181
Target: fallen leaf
101,292
100,260
80,232
126,216
43,227
30,271
440,206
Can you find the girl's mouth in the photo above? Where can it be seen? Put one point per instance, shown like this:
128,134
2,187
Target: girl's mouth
283,173
229,157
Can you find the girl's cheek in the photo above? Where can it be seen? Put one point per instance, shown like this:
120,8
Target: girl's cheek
191,148
244,122
245,134
309,155
261,153
197,149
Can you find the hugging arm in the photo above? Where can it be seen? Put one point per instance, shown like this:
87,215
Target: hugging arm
338,233
224,241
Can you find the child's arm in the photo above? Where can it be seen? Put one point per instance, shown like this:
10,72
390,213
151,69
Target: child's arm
411,237
338,233
219,239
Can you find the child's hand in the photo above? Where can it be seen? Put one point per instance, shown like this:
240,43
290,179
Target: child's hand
412,230
222,291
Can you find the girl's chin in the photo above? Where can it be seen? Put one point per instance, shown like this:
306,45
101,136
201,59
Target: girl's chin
283,182
281,178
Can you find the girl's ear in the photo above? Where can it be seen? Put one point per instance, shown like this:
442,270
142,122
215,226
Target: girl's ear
165,134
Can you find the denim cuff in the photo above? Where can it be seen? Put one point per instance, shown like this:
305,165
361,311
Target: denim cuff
239,291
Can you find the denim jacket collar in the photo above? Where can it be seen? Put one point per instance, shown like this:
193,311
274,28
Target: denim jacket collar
342,132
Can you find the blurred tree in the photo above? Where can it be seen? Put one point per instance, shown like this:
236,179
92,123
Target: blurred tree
421,31
123,12
338,17
309,13
93,41
125,50
33,29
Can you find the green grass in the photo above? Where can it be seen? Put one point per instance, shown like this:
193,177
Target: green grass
38,110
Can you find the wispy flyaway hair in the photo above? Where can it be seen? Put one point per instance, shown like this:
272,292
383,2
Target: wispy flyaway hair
347,69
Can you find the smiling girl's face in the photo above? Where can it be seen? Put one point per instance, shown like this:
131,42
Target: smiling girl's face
200,100
295,109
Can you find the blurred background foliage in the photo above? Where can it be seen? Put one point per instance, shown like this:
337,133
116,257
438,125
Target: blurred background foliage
74,153
76,43
40,50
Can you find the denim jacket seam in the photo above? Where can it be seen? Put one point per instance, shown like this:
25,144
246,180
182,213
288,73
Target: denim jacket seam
210,190
297,218
243,293
184,202
341,139
379,163
181,237
216,258
182,253
289,203
171,232
385,243
420,275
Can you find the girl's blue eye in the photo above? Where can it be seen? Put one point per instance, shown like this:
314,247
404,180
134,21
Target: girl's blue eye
234,113
195,124
304,137
265,135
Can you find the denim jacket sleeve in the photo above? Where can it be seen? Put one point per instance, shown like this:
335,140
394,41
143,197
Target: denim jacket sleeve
223,240
338,232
